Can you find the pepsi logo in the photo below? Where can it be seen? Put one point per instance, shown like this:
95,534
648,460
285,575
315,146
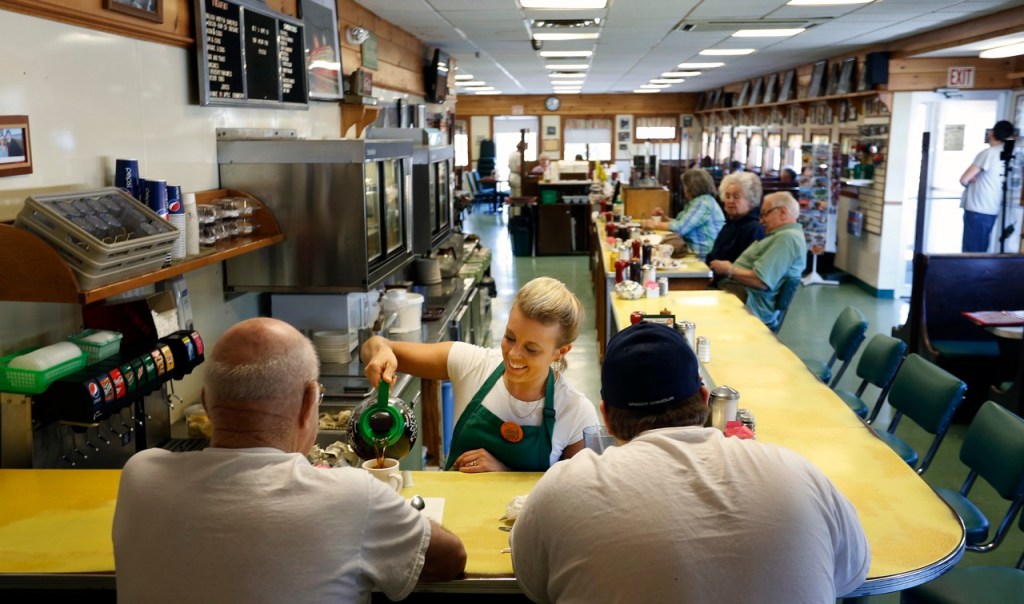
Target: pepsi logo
94,389
174,207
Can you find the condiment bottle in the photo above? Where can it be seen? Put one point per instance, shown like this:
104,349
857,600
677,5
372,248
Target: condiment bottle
724,402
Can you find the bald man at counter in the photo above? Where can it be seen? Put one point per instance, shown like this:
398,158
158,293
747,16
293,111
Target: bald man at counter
249,519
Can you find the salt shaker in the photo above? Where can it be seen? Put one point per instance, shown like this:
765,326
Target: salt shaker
724,403
703,349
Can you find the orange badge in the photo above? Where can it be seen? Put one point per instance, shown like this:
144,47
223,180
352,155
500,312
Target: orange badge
511,432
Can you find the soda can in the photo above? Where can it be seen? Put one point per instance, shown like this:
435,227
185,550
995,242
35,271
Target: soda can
126,176
155,196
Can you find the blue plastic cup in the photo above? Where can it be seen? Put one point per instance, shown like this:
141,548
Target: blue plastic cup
155,196
175,204
126,176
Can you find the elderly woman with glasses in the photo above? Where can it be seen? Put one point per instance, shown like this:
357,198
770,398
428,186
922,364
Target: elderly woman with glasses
741,193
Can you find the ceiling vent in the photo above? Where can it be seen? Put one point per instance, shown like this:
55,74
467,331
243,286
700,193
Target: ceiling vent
731,25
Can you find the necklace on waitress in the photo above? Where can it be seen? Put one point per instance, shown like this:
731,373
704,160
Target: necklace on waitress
511,431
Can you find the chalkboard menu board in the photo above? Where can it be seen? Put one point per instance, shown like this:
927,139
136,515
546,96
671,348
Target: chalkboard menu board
249,55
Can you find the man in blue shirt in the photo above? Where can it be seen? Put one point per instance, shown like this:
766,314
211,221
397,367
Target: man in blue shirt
757,273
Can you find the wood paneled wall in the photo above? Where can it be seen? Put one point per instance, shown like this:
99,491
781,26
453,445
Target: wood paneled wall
929,74
401,56
577,104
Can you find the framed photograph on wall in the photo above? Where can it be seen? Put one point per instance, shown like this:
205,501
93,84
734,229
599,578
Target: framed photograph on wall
15,146
862,78
786,90
755,92
817,86
151,10
323,53
846,76
770,83
833,79
744,94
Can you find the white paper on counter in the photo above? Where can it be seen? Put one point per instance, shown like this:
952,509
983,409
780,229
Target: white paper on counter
433,509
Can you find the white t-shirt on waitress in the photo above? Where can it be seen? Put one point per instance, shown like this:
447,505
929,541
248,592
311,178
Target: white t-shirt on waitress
469,367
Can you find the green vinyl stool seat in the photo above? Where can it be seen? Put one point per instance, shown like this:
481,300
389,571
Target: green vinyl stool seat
929,396
877,366
845,338
994,450
973,585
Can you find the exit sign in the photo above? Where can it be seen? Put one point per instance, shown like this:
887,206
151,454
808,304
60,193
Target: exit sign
960,77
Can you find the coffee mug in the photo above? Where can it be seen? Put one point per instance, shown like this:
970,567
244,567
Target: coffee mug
389,474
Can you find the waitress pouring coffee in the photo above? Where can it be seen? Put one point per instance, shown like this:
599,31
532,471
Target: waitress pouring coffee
515,410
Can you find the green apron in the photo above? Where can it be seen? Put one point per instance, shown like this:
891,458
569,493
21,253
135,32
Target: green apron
478,428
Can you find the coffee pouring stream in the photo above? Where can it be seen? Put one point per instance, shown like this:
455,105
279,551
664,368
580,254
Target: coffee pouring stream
385,423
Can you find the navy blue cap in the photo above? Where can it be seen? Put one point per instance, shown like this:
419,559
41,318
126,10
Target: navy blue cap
648,366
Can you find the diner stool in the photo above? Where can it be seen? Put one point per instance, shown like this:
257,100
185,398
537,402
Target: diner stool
978,584
877,366
994,450
845,338
929,396
787,291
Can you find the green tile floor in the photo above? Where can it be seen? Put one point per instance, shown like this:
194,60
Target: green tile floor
805,331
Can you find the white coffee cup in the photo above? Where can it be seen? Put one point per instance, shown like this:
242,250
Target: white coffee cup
389,474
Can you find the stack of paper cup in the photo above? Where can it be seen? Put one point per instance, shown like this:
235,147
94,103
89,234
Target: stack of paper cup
333,346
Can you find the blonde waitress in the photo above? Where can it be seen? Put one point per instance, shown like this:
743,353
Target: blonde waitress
514,409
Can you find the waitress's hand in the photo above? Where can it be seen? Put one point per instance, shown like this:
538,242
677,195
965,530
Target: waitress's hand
478,460
657,211
380,362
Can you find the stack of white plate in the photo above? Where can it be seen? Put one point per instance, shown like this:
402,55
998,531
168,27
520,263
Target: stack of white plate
428,271
333,346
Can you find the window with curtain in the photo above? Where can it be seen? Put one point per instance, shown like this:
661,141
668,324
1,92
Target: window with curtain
590,138
793,158
755,153
656,128
507,136
461,142
775,152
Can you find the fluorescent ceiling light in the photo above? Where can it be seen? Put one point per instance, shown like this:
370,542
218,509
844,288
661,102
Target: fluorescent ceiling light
1001,52
471,83
566,54
564,4
557,89
568,83
463,77
488,92
768,33
680,74
546,36
724,52
699,65
667,81
567,66
826,2
555,76
654,85
644,91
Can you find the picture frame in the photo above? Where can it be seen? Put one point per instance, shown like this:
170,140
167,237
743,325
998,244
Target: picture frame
323,50
771,81
817,79
786,90
744,93
755,92
15,146
624,136
150,10
851,112
849,67
625,123
550,131
843,111
833,79
862,78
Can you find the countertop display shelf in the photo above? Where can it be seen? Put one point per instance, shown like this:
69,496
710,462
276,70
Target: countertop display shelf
35,272
808,101
358,115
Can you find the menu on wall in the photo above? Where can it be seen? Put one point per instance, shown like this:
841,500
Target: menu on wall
249,55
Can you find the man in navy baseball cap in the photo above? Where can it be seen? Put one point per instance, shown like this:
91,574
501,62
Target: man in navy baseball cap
679,512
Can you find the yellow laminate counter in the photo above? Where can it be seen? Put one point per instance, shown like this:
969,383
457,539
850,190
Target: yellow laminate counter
914,535
58,522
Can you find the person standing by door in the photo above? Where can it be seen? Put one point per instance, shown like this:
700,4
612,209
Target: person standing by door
983,195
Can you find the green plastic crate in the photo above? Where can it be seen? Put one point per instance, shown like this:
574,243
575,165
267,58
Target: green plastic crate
549,196
28,381
94,352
